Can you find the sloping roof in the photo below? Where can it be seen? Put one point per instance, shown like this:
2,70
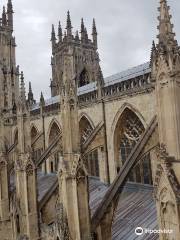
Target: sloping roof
48,102
45,183
136,208
108,81
128,74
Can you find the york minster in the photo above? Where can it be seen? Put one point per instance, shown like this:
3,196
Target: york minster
100,158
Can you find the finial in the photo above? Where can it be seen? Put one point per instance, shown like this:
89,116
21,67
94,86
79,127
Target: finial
4,18
10,14
100,76
30,95
60,32
30,88
69,26
42,101
53,35
166,35
82,25
94,33
153,53
94,30
9,7
83,31
22,88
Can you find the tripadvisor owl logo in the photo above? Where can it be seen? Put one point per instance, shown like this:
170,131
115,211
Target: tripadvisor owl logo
139,231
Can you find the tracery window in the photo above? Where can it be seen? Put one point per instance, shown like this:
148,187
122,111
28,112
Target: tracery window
128,132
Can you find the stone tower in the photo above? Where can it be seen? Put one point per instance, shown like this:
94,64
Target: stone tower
85,55
166,73
9,84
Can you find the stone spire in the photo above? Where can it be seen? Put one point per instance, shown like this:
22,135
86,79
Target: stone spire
83,31
53,38
94,33
4,18
153,53
53,34
10,14
22,88
30,95
166,35
69,26
60,32
42,101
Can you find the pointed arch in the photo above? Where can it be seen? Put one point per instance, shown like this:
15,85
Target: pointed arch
121,110
34,132
85,115
128,126
54,130
85,128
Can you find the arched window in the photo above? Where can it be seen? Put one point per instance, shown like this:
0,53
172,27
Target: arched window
34,134
54,132
83,78
127,133
54,158
85,129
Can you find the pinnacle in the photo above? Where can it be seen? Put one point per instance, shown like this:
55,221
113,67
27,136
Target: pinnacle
94,27
53,35
166,34
30,88
69,26
82,25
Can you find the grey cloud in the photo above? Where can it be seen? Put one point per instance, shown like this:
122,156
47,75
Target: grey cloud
126,29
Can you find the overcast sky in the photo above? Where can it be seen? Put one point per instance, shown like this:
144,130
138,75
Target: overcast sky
126,29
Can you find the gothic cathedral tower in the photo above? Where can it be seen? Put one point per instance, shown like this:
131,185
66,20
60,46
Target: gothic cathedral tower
85,55
9,84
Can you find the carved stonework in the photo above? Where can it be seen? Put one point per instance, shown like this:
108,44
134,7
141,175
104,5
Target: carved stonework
165,165
23,162
62,223
2,164
77,165
29,170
